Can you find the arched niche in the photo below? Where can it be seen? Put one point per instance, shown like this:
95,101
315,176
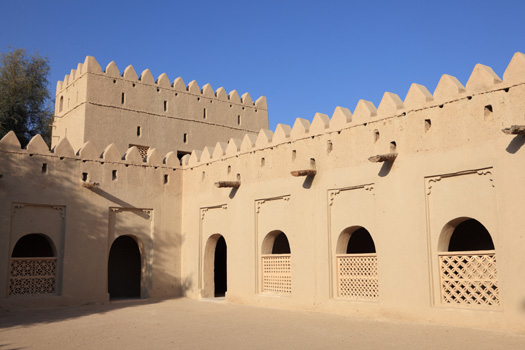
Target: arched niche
467,264
464,234
276,257
33,266
355,240
34,245
125,268
215,267
356,263
276,242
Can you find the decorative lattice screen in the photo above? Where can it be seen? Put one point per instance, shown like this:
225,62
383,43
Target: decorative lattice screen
276,274
357,276
468,278
32,276
143,151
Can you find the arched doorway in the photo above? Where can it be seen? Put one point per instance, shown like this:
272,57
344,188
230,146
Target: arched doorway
220,270
356,261
124,268
276,264
33,266
215,267
467,264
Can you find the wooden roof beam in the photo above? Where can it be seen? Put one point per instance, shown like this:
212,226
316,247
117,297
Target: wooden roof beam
230,184
515,130
307,172
388,157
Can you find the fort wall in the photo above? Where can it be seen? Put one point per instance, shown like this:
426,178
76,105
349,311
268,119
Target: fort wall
452,163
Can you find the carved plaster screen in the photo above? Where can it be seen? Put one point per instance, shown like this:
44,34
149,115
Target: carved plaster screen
469,278
276,273
32,276
357,276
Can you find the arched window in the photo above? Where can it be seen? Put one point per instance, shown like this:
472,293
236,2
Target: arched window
61,104
276,264
33,266
356,261
467,264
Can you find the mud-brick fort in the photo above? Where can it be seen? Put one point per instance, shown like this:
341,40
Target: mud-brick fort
156,189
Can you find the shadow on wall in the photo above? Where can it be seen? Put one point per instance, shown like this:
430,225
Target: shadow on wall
308,181
233,192
385,168
516,143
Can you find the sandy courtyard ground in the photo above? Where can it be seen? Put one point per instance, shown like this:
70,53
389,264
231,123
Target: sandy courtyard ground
192,324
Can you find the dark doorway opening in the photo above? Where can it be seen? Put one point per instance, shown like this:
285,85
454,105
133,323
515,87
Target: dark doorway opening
219,272
124,269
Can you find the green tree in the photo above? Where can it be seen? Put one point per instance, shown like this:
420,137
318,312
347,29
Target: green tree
25,104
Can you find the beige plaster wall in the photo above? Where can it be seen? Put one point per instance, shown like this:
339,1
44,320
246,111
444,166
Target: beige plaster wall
462,166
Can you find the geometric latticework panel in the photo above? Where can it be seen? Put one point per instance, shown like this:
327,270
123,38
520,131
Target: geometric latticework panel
143,151
32,276
276,274
469,279
357,276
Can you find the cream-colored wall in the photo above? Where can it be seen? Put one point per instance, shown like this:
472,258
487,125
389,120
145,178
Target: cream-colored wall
83,222
462,166
70,110
101,103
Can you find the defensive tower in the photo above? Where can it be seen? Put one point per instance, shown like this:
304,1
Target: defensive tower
122,108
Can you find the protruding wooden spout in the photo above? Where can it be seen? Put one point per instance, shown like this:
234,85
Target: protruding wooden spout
515,130
90,184
388,157
233,184
307,172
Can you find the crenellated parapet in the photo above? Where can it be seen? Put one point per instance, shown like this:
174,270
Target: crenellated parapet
419,108
91,66
111,154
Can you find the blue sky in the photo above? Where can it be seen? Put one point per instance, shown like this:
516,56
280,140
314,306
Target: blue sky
304,56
